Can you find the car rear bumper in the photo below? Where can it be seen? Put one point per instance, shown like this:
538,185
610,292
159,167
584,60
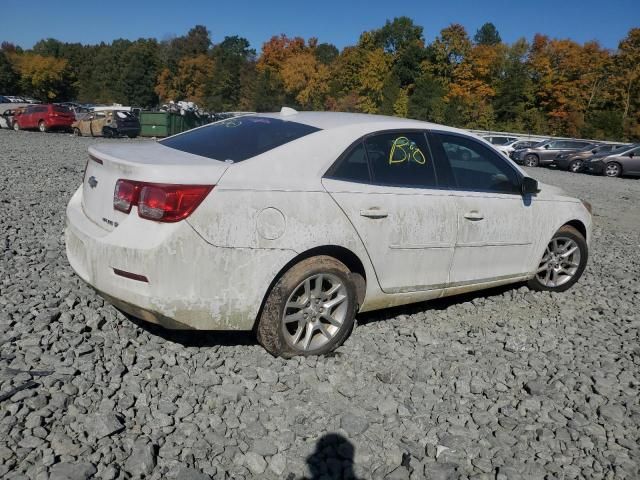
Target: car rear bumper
188,283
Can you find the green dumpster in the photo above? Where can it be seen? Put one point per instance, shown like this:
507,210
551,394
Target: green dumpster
165,124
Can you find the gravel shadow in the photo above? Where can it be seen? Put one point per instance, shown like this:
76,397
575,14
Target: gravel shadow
196,338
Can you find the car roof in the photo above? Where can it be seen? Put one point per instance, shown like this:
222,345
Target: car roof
335,120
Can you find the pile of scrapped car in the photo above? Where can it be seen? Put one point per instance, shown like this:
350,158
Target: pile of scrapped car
612,160
109,121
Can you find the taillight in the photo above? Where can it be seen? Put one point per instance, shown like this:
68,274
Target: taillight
160,202
125,195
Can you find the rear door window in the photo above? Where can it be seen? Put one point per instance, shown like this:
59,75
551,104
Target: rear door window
239,138
400,159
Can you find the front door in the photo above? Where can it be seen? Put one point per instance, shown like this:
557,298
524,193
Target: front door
496,233
387,187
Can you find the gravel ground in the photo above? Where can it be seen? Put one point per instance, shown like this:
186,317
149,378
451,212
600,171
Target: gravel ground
505,384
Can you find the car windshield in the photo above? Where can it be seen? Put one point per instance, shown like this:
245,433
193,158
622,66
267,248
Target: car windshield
238,138
539,144
123,115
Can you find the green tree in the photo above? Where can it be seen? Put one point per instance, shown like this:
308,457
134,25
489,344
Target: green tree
487,34
225,87
427,101
9,77
326,53
138,73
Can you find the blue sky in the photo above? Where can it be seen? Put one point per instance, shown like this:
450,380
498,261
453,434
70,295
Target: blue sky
339,22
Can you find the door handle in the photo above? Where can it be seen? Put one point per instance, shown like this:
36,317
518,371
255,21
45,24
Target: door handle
473,215
374,213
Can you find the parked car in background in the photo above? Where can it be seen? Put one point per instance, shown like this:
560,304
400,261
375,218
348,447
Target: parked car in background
623,161
108,123
545,152
572,161
499,139
202,230
7,118
4,99
44,118
513,145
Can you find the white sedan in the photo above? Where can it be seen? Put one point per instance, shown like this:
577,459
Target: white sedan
292,223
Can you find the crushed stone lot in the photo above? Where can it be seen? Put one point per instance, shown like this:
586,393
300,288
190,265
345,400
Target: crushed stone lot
505,384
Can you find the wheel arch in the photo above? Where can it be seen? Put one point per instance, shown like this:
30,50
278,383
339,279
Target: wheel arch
579,226
342,254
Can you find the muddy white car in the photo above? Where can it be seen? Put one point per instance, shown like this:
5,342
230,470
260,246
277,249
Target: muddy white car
291,223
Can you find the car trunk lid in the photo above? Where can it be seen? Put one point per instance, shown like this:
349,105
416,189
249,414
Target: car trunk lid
143,162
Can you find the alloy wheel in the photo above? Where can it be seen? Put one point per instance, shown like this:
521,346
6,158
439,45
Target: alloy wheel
575,166
531,161
559,263
612,170
315,312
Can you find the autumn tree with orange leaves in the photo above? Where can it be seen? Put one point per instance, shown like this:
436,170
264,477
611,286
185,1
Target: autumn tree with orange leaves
542,86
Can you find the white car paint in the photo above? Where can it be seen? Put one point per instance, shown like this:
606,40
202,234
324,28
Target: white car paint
213,270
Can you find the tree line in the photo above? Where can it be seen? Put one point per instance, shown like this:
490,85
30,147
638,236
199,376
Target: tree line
544,86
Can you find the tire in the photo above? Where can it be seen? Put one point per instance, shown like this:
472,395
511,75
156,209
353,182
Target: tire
290,298
554,260
613,169
42,126
16,127
531,160
77,132
575,166
107,132
132,135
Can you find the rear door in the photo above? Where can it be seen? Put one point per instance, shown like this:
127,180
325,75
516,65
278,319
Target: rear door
496,225
387,186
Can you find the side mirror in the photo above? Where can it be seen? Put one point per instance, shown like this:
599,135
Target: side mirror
546,147
632,154
529,186
594,151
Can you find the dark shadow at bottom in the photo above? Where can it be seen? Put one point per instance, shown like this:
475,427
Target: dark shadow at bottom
332,459
196,338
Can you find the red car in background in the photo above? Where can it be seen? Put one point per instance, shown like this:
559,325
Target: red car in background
44,118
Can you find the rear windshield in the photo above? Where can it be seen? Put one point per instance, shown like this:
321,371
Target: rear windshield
238,138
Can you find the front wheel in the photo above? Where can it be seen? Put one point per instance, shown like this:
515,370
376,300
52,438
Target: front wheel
42,126
563,262
531,160
77,132
310,310
575,166
613,169
16,127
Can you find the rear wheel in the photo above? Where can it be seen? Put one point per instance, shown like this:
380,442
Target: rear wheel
310,310
132,135
575,166
531,160
16,127
77,132
42,126
563,261
107,132
613,169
